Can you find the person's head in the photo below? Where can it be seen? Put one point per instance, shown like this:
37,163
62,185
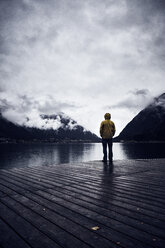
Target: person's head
107,116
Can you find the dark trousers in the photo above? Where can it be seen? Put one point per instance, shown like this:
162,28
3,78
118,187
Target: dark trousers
108,142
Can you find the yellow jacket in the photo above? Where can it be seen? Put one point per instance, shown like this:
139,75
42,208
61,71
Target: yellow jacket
107,129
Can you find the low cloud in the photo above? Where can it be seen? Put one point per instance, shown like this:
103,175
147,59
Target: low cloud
25,110
134,100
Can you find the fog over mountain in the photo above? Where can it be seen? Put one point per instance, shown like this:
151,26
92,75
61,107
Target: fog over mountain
55,128
148,125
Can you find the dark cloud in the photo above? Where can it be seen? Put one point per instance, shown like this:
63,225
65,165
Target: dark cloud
5,105
56,55
147,17
143,92
10,12
1,89
150,5
152,15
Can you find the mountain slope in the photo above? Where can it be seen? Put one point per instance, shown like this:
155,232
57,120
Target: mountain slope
11,130
66,130
148,125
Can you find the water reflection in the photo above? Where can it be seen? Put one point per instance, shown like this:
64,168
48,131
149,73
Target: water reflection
143,150
106,184
107,170
22,155
12,155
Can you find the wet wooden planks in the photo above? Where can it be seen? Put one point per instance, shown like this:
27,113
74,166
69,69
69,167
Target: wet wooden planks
57,206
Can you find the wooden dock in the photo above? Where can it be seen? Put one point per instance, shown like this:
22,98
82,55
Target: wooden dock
84,205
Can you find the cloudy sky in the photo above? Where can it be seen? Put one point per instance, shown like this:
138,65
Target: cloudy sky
80,57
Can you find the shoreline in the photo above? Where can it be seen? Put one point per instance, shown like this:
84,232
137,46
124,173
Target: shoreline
76,142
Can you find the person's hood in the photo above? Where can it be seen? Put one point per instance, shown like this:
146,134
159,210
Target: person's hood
107,116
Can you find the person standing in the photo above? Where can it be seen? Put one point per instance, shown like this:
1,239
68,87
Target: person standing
107,131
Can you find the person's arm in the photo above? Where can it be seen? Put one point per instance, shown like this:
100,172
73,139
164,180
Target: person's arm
101,128
113,129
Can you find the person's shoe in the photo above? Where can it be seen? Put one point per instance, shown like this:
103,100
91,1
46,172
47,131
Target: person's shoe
104,160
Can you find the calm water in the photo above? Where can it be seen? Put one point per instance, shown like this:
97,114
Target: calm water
22,155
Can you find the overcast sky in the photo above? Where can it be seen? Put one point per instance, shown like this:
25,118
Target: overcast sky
80,57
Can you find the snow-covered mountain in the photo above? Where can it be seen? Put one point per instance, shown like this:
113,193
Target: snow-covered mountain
148,125
55,128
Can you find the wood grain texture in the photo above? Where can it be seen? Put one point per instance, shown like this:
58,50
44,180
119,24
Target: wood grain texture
60,206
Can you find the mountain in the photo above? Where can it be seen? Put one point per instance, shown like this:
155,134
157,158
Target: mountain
56,128
12,131
148,125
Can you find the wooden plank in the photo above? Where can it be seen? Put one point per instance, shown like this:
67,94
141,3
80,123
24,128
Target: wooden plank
79,213
115,183
26,230
153,213
107,212
136,206
10,238
160,202
27,185
129,189
67,233
116,208
113,192
52,209
62,203
117,225
134,214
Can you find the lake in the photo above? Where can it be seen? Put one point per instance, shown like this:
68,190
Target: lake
23,155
